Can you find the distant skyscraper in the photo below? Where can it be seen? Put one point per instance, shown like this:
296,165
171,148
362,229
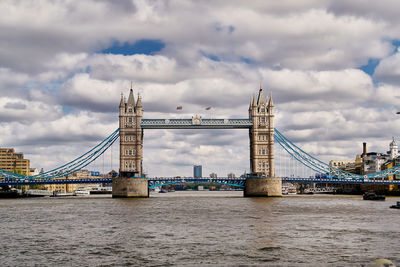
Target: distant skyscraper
197,171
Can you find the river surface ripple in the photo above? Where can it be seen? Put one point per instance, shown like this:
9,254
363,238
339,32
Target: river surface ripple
198,228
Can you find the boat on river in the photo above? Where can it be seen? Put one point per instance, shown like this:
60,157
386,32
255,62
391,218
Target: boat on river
397,206
38,193
13,193
372,196
289,189
62,194
82,192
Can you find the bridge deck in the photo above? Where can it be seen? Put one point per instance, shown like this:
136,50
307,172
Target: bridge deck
196,124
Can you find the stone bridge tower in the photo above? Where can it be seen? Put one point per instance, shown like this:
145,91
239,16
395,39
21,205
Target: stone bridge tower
261,136
265,184
131,136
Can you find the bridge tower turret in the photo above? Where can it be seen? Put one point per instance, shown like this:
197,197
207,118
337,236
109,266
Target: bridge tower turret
261,112
131,136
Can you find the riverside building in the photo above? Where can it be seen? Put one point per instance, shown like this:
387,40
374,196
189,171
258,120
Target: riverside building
12,161
70,188
370,162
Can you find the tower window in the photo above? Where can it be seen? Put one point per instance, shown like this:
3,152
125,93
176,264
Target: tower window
129,138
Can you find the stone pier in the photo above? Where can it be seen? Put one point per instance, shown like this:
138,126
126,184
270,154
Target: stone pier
130,187
263,187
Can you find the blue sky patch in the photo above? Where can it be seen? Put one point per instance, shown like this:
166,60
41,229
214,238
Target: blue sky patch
247,60
144,46
396,43
67,109
210,56
369,68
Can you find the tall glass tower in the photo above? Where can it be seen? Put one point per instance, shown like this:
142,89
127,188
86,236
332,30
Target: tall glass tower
197,171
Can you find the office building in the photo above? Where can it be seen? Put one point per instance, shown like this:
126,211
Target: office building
12,161
197,171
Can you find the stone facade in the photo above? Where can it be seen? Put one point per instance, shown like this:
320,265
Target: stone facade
263,187
131,136
124,187
261,136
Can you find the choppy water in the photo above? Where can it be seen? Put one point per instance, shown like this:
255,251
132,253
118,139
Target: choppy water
198,228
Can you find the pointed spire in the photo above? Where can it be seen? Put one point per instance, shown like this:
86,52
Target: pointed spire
393,143
254,101
270,102
122,103
251,102
261,98
131,98
139,102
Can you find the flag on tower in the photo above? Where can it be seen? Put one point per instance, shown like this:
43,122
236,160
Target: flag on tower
208,108
179,107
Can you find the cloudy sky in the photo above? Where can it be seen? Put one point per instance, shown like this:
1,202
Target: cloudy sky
333,68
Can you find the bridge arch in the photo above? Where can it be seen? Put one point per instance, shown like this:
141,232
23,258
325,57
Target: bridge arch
158,182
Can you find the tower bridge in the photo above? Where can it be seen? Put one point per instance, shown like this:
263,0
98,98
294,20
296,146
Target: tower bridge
262,136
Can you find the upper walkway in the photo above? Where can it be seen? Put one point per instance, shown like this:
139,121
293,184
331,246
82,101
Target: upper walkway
196,123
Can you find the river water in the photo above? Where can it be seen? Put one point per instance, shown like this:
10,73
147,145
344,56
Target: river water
198,228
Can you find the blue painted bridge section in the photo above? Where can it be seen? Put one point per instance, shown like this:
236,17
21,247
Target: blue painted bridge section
236,182
14,182
156,182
